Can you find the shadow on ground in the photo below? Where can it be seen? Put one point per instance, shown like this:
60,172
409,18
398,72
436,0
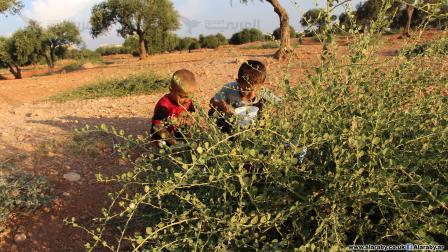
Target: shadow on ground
134,125
84,154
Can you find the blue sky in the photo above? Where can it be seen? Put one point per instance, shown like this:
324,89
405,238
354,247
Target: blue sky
197,16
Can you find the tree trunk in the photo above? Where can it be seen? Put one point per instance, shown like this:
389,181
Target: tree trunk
142,50
48,60
407,28
15,70
52,57
285,39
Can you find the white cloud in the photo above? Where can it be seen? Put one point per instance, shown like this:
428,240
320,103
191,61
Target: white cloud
52,11
191,8
48,12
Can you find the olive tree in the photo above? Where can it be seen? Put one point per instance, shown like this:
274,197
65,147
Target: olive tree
315,18
285,38
23,48
438,9
60,35
412,9
187,43
140,17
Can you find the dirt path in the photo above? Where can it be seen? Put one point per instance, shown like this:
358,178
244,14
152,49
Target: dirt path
42,131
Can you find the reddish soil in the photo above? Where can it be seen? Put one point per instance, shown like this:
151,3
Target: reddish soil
29,124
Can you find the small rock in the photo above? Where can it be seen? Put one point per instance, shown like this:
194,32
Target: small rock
19,238
47,209
66,194
72,176
28,114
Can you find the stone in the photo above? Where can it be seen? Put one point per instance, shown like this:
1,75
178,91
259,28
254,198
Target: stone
19,238
72,176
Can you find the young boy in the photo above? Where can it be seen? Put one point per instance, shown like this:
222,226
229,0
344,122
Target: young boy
176,104
244,92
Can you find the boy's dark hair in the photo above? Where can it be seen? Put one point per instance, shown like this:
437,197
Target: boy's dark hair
252,72
181,79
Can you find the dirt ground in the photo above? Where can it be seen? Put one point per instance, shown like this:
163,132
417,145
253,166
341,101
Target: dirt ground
38,129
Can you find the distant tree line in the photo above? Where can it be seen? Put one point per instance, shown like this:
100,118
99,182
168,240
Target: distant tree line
399,12
171,42
34,44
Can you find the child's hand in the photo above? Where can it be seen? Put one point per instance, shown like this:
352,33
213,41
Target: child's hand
225,108
186,119
171,141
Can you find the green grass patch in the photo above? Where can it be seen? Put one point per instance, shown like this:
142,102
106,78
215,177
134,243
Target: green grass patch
78,64
74,66
268,45
133,85
431,48
19,192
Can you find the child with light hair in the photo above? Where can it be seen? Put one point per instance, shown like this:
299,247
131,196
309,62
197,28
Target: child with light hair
177,104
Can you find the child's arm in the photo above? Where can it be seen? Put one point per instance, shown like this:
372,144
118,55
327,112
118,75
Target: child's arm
267,97
162,132
222,106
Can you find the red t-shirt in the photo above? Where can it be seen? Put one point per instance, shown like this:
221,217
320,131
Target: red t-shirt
166,109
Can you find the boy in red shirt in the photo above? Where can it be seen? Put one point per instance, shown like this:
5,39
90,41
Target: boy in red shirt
176,104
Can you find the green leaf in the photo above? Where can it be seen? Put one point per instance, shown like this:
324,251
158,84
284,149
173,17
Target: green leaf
376,140
254,221
244,220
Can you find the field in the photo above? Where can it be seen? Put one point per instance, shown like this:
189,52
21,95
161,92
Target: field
37,130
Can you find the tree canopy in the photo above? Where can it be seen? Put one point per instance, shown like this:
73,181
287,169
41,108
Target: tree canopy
24,47
12,6
60,35
188,43
401,13
315,18
246,36
139,17
285,39
31,44
277,33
